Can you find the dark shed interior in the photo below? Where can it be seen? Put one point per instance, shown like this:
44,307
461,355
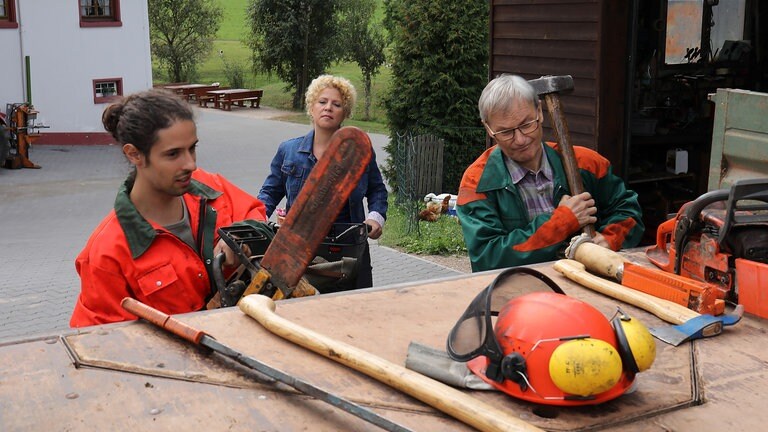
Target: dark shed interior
643,70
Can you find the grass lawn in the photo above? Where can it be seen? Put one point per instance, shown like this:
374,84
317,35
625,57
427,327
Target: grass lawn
229,41
443,237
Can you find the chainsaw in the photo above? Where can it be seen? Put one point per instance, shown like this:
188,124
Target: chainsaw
335,263
721,239
279,273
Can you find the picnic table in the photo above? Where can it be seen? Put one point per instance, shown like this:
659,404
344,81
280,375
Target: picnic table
225,98
203,97
188,91
166,85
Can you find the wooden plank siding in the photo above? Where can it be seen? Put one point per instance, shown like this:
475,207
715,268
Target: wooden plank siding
568,37
427,165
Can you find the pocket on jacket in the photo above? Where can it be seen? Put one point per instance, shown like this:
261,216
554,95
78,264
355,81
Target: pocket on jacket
294,180
291,169
157,279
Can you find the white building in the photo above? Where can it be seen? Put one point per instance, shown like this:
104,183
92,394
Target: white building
81,52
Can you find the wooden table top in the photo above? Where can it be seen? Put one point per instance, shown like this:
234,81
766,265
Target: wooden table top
227,91
186,86
134,376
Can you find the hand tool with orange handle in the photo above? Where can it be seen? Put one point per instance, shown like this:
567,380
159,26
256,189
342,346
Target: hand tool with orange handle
199,337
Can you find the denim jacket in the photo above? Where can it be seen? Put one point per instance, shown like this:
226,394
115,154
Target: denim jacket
291,166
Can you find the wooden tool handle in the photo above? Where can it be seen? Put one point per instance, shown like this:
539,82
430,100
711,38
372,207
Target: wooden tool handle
302,289
162,320
563,136
664,309
258,282
214,302
440,396
597,259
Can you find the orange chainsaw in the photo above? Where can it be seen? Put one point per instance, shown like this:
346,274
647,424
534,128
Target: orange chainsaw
278,274
721,239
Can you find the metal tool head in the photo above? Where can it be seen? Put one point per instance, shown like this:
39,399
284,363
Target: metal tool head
552,84
696,328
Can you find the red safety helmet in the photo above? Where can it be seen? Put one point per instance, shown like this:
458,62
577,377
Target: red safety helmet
547,347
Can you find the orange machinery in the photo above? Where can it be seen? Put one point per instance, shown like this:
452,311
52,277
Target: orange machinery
21,131
721,239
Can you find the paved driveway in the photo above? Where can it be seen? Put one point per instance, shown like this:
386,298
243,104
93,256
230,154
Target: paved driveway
47,215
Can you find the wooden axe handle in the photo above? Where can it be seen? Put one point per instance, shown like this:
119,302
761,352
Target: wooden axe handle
440,396
563,136
664,309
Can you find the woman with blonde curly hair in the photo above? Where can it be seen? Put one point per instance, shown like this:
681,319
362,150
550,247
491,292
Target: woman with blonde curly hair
330,100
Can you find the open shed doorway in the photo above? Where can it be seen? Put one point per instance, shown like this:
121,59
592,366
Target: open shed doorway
683,51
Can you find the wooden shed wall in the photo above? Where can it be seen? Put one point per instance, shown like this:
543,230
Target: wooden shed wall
581,38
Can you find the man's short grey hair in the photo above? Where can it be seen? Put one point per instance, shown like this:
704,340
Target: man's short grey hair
498,95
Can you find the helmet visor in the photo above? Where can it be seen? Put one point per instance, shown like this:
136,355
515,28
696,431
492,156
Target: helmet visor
473,334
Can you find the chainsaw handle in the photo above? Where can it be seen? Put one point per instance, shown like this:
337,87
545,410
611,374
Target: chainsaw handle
689,219
218,273
664,233
162,320
237,250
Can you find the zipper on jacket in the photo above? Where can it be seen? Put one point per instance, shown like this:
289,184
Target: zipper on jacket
208,264
200,225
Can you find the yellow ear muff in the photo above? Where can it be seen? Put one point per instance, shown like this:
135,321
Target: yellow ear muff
634,339
585,367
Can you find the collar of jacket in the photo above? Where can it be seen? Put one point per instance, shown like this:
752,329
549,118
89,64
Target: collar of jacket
496,176
305,146
138,231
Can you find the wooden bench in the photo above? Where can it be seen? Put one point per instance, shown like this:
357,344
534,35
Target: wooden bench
203,97
240,98
192,92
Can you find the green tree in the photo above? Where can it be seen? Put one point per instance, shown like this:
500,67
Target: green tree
439,67
295,39
363,42
181,34
234,71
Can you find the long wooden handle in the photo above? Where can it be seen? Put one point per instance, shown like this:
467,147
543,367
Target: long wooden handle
440,396
664,309
563,136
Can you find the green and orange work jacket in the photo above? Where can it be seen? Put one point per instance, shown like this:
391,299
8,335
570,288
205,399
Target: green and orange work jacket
498,232
128,256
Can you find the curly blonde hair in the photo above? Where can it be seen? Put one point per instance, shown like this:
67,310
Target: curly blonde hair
343,85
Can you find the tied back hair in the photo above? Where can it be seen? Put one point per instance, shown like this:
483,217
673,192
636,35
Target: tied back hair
138,118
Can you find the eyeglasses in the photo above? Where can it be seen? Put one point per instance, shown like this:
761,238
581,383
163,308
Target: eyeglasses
509,134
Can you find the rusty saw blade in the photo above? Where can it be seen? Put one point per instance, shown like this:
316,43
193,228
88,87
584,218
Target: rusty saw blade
322,197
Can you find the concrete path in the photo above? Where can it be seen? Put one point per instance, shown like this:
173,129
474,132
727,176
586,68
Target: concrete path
47,215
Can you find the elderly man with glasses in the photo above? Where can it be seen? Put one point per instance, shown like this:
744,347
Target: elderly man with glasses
514,203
